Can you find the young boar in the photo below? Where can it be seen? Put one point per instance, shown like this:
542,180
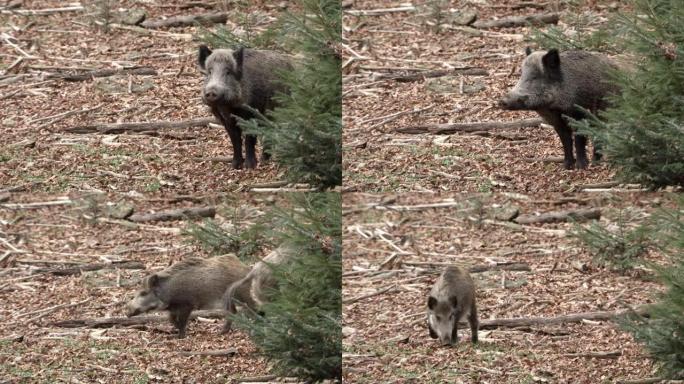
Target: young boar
451,300
553,84
189,285
235,79
257,282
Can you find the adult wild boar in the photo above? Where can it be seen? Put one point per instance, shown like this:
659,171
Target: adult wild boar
452,299
189,285
553,84
238,78
257,282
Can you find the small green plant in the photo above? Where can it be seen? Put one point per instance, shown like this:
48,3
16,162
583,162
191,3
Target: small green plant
242,240
662,331
619,245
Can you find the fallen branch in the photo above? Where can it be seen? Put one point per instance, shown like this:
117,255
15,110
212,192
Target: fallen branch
114,128
36,205
93,267
181,21
47,311
377,12
108,322
648,380
256,379
174,214
430,74
560,216
46,11
221,352
519,21
596,355
572,318
445,129
104,73
500,267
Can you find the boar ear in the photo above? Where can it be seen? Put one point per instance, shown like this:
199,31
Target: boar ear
204,52
432,302
155,279
528,50
551,60
239,56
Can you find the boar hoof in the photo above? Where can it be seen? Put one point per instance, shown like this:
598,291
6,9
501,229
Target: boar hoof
250,163
237,163
582,164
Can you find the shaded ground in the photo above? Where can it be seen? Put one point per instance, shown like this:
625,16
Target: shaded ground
395,249
37,155
377,158
81,232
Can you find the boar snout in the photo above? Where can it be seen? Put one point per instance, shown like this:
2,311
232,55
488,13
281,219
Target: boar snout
446,341
513,102
211,95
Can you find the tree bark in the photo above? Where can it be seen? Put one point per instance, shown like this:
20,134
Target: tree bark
430,74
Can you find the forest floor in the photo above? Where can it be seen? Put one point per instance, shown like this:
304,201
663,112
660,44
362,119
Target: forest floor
79,229
378,158
395,246
37,107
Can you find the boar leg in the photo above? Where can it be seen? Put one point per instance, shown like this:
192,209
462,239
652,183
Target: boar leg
474,323
596,157
581,149
250,151
433,334
235,134
565,134
454,330
179,318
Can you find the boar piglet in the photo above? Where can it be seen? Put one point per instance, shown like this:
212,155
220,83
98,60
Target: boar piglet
452,299
238,78
189,285
553,84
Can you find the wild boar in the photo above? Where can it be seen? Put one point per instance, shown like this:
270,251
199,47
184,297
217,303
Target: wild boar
257,282
189,285
553,84
452,299
238,78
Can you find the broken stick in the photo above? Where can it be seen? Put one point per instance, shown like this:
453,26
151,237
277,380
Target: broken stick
572,318
445,129
430,74
115,128
560,216
104,73
519,21
182,21
175,214
92,267
221,352
108,322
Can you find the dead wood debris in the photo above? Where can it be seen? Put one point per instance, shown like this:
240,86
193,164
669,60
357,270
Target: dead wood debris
445,129
219,352
182,21
571,318
519,21
560,216
108,322
114,128
403,78
104,73
175,214
128,264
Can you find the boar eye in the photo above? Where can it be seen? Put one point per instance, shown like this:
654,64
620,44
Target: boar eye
439,318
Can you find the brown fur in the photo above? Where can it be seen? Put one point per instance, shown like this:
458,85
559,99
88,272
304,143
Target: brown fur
192,284
451,299
238,78
553,83
257,282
